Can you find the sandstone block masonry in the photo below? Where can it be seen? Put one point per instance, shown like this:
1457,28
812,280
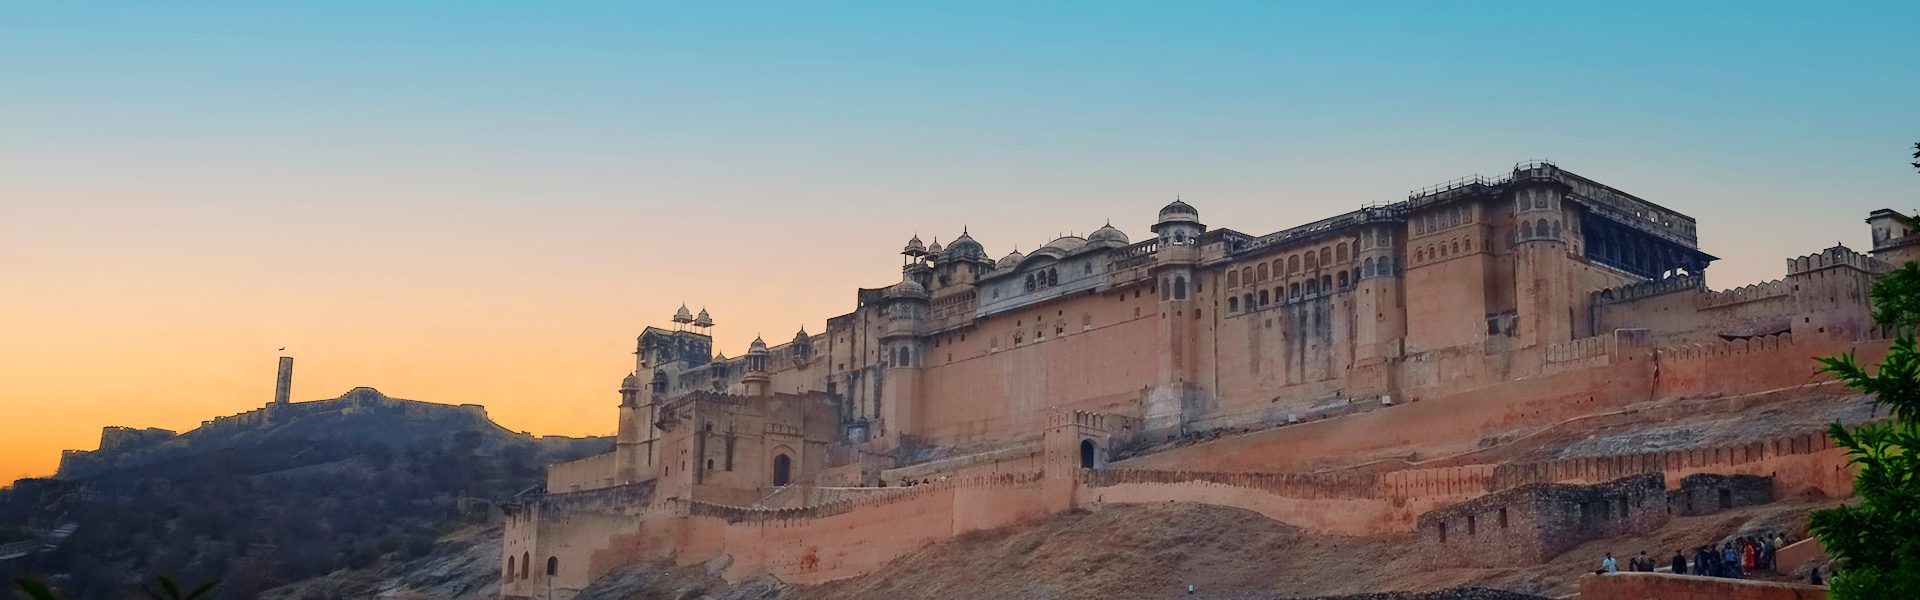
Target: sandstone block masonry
1370,341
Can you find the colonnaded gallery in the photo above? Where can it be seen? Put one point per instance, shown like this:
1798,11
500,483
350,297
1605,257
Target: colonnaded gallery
1358,375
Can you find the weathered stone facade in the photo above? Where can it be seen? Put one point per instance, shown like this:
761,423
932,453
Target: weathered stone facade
1534,523
1455,316
1708,493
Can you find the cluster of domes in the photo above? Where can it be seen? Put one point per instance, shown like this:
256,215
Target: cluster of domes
686,317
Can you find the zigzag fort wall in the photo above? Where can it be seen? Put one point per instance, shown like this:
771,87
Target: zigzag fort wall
1353,376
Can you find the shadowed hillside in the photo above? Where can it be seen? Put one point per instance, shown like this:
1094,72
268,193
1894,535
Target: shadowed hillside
274,495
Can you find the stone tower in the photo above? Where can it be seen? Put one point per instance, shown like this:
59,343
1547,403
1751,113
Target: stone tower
283,382
1179,230
756,380
1541,288
903,312
1380,326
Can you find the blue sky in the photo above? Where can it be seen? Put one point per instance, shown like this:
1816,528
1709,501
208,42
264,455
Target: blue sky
480,201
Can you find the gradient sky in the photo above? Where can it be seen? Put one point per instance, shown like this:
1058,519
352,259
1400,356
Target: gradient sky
485,202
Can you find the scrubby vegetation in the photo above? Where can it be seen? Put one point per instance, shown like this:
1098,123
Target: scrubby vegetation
263,505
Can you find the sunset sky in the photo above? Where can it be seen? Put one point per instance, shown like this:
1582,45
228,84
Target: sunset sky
474,202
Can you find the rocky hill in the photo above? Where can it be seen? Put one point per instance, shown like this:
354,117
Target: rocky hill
275,495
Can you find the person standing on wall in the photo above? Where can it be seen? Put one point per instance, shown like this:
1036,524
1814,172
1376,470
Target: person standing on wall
1608,566
1679,563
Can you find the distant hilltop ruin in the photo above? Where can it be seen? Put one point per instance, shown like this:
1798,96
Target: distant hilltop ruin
120,445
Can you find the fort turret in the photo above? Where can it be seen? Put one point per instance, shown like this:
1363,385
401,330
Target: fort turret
1540,258
754,382
1178,229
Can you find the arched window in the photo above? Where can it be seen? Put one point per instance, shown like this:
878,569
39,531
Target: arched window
553,566
1385,267
1366,267
1526,229
1313,286
1262,273
1313,260
1087,454
782,469
1279,268
1443,249
1029,282
1263,297
1556,228
1053,276
1340,253
510,562
1456,246
1249,301
526,564
1467,243
1293,264
1233,279
1086,269
1540,199
1540,228
1179,288
1179,237
1233,305
1326,257
1343,280
1293,291
1326,283
1419,255
1246,275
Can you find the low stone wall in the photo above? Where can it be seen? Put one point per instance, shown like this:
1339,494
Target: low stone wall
1640,586
590,473
1708,493
1533,524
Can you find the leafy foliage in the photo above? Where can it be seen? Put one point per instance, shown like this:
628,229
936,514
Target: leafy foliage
1878,540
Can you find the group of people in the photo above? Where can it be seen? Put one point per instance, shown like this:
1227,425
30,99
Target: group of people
1734,558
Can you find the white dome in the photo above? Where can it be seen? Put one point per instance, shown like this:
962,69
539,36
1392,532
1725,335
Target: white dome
1011,260
1107,234
1067,243
907,289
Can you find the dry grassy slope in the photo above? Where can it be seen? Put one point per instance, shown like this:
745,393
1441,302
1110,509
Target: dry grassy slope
1154,551
1115,553
1138,551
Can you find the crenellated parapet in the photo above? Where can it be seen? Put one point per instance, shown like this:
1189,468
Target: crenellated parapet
1746,293
1837,256
1648,289
745,514
1286,485
1765,343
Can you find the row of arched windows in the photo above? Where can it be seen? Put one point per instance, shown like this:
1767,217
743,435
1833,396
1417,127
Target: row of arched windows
1040,279
1537,198
1292,292
1442,249
1442,219
526,563
1539,229
1284,267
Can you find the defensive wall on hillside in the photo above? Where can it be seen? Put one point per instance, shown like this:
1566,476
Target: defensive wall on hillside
1641,586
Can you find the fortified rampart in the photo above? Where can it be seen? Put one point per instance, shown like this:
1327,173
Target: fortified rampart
1536,522
1640,586
1346,376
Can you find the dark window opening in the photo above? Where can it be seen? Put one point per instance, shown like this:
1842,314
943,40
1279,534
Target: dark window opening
782,469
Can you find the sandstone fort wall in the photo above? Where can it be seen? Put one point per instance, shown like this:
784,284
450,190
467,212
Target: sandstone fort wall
1639,586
